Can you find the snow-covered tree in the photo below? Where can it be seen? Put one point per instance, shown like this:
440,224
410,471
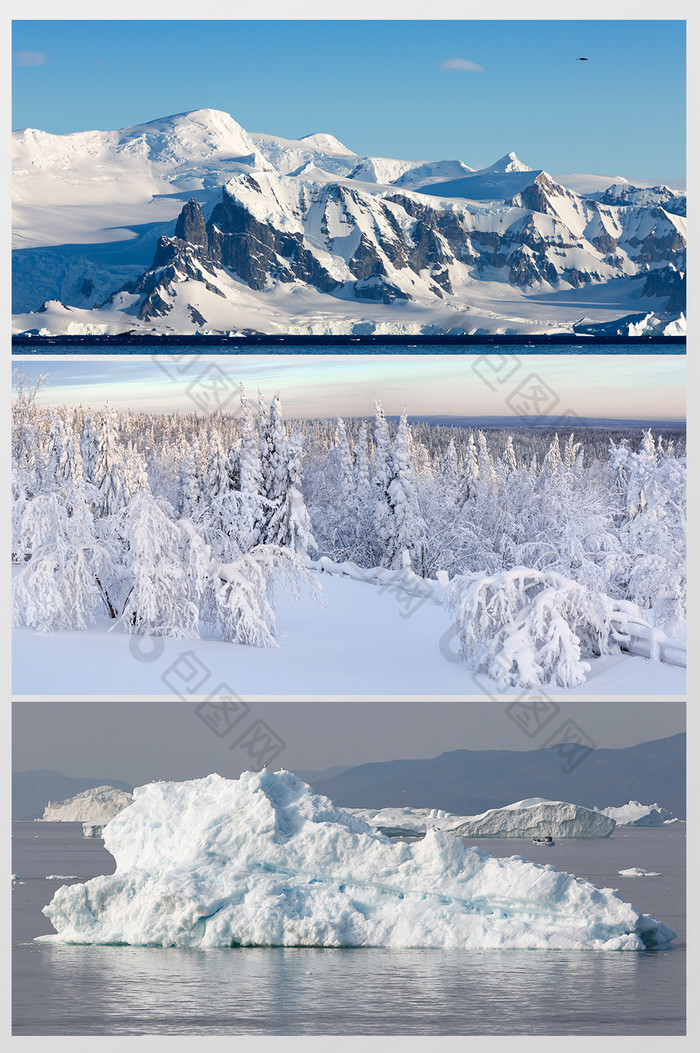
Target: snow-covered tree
108,474
64,465
218,479
89,447
527,629
135,473
168,564
470,472
290,525
246,593
61,585
251,482
405,526
382,478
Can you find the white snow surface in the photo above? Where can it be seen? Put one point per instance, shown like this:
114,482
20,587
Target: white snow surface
534,817
263,861
96,805
635,814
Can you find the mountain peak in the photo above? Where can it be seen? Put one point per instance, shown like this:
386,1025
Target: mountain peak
507,163
325,143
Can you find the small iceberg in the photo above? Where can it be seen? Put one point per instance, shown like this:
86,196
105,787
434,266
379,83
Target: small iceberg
535,817
264,861
639,872
96,805
635,814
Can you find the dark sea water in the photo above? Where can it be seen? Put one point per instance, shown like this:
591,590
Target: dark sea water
350,346
64,990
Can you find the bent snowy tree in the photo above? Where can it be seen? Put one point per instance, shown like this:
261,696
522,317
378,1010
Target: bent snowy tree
524,628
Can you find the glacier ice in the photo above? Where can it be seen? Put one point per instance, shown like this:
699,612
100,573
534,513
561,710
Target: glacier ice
264,861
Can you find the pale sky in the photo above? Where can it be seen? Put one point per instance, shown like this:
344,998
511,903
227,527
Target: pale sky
643,387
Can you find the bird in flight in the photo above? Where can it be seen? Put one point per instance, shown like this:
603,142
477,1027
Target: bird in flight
582,60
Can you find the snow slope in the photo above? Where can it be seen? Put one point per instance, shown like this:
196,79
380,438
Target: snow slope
367,640
263,861
635,814
534,817
97,805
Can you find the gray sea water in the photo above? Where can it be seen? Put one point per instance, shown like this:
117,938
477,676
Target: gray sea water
65,990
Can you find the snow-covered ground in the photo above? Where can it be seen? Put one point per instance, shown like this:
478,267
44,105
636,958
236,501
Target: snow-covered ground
365,640
534,817
263,861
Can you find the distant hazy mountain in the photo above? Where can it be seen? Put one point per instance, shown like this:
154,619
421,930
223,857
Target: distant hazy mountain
468,782
464,782
191,224
32,790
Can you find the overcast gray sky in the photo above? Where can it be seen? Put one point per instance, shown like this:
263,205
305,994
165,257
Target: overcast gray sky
136,742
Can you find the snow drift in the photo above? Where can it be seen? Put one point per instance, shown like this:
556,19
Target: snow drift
97,805
263,861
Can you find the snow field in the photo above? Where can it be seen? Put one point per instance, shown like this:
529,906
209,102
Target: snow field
359,643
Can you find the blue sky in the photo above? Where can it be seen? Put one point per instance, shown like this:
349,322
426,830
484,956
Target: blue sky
639,386
393,88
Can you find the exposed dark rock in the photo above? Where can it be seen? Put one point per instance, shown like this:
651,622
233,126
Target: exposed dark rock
190,225
528,268
604,242
366,261
667,281
375,288
576,277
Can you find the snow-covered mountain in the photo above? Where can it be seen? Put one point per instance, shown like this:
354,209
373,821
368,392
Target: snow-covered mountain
97,805
190,223
533,817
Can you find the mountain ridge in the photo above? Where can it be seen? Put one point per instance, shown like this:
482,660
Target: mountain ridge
455,780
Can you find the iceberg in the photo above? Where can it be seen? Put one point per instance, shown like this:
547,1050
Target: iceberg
264,861
635,814
96,805
533,817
